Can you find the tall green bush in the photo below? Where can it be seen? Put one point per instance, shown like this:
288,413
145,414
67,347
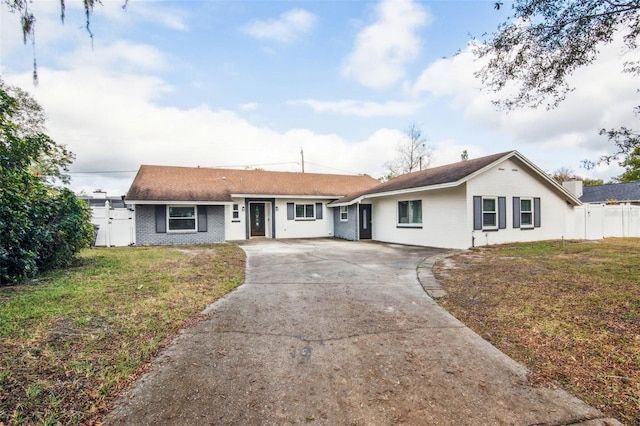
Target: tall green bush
41,227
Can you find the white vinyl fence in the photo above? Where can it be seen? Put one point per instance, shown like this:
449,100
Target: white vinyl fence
596,221
115,226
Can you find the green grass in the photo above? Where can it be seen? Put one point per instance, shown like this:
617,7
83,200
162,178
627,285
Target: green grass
570,311
71,340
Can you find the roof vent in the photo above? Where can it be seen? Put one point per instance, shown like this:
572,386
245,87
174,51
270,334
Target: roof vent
224,178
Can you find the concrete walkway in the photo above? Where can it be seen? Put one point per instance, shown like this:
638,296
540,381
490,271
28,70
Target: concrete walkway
341,333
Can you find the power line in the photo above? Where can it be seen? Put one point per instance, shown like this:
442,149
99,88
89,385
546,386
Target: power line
251,165
102,172
333,168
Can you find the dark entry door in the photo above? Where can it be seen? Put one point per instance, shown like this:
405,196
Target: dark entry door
365,221
257,219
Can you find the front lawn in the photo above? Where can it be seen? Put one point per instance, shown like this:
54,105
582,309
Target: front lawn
569,311
70,341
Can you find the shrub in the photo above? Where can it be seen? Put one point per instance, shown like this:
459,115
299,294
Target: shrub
41,227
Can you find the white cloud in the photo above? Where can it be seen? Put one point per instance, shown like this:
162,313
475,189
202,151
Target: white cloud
604,97
147,11
48,28
287,28
384,48
111,122
249,106
120,55
449,151
361,108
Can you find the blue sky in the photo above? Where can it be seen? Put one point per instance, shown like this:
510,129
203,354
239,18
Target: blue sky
250,84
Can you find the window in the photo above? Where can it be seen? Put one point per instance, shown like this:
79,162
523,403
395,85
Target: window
489,213
181,218
305,211
410,212
236,213
526,213
344,213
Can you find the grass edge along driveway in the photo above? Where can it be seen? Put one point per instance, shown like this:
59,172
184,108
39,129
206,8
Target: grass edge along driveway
71,340
569,311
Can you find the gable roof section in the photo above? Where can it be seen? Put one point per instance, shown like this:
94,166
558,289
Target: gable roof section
449,175
620,192
166,183
446,174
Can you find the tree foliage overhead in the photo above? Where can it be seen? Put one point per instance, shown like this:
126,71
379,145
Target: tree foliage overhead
544,42
41,227
28,20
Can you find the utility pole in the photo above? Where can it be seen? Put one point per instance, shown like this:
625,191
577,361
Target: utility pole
302,155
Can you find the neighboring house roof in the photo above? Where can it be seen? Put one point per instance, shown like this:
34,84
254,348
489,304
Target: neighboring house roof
114,202
165,183
448,176
620,192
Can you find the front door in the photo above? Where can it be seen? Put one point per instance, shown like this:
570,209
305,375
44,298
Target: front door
365,221
256,216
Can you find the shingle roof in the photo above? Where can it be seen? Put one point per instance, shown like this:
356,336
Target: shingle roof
166,183
620,192
448,173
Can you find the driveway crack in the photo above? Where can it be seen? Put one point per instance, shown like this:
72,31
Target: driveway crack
328,339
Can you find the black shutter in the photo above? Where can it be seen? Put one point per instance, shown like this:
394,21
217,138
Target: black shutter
516,212
502,212
290,211
161,218
202,218
536,212
318,210
477,212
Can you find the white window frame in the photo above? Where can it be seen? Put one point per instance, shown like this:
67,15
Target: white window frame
179,231
344,213
305,211
524,212
412,222
235,212
494,212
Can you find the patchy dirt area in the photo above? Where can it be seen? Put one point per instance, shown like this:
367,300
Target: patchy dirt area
335,332
73,339
569,312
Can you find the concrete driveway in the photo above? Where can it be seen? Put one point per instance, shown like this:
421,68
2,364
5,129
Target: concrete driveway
341,333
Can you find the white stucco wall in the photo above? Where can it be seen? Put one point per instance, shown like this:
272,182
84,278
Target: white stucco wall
235,228
303,228
512,179
444,214
447,214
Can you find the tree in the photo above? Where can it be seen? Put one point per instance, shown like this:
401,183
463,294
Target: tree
592,182
632,165
54,159
413,154
627,153
545,41
464,156
564,174
42,227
